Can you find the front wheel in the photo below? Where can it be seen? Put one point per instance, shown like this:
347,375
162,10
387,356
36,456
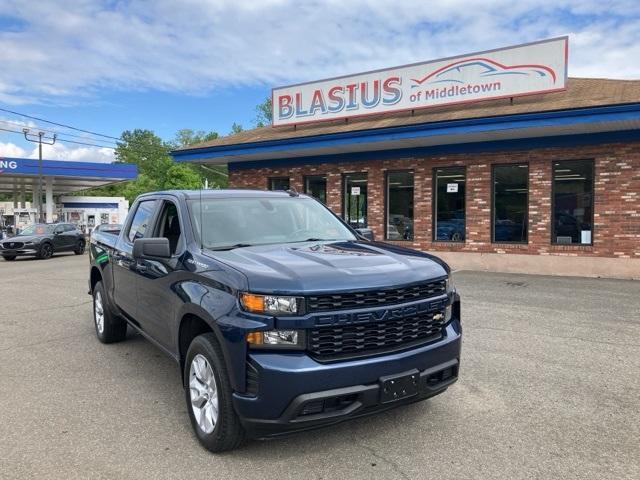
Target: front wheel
79,250
109,327
46,251
208,394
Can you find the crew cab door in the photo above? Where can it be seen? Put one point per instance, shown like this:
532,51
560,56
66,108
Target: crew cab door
157,299
125,267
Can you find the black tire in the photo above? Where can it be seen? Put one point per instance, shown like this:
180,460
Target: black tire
227,433
46,251
80,246
9,258
113,328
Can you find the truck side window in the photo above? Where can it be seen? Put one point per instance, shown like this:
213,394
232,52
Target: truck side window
169,226
141,220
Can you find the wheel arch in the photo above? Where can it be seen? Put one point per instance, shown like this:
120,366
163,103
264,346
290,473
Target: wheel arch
194,321
95,277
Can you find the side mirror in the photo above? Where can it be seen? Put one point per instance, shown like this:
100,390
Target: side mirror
57,231
151,248
366,233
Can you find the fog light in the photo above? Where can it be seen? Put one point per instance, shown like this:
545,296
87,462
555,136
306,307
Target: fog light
287,339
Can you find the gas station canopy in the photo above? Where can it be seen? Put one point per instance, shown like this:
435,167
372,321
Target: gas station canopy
20,175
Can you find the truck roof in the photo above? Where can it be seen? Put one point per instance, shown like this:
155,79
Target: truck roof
225,193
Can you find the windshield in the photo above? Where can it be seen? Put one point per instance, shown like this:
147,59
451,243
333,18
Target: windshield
236,222
37,229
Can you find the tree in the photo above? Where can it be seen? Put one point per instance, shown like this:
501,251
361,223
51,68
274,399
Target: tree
156,168
264,113
182,176
186,137
236,128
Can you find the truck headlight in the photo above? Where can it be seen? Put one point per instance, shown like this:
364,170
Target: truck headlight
285,339
451,286
451,290
270,304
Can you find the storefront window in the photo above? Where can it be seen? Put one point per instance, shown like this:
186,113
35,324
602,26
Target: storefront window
355,199
510,203
278,183
573,202
449,195
316,186
399,206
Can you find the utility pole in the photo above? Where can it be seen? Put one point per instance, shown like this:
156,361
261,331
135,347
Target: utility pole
38,138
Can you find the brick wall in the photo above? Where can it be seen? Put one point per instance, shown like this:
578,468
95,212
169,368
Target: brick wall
616,230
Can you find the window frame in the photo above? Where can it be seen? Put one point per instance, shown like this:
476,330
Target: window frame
132,217
343,198
282,177
158,224
386,201
553,203
434,204
306,190
493,202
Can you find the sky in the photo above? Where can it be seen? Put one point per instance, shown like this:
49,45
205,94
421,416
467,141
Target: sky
163,65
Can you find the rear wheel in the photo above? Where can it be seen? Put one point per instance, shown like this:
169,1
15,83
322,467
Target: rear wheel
109,327
46,251
9,258
80,246
208,394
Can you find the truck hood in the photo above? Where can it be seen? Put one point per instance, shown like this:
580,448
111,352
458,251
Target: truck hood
329,266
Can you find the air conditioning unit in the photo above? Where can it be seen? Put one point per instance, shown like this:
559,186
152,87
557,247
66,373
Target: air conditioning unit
564,240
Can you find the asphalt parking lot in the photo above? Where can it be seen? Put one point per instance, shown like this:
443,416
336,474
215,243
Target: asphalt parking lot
549,388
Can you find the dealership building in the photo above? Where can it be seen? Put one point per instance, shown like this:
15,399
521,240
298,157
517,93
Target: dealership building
494,161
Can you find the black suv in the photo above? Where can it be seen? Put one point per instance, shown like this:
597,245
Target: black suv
42,240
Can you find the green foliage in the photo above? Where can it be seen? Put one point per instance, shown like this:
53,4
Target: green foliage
157,170
264,113
186,137
236,128
182,176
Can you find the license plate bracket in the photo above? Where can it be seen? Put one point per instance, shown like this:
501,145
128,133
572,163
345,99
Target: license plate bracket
397,387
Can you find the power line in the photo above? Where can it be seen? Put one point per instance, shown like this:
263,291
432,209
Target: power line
56,134
38,127
58,124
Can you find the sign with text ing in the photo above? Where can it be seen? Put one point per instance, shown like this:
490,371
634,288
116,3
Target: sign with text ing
539,67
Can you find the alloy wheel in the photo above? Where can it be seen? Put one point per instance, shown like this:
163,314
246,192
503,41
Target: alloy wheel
99,312
47,251
203,393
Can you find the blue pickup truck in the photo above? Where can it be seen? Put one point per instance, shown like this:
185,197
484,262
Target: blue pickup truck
281,317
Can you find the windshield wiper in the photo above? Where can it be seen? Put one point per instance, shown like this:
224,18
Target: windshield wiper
231,247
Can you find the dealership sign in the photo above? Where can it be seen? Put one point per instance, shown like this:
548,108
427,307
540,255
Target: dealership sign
538,67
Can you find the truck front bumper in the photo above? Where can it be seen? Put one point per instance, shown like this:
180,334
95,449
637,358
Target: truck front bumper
296,393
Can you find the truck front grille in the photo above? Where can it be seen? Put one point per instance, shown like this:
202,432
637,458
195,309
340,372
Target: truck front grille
327,343
375,298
